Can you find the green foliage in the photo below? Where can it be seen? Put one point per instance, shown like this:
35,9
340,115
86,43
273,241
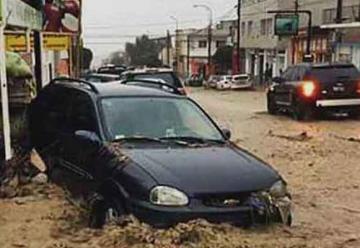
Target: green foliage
223,57
144,52
87,57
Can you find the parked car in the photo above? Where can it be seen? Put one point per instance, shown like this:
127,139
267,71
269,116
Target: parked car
212,81
158,156
242,81
112,69
165,74
156,83
101,78
309,89
195,80
224,83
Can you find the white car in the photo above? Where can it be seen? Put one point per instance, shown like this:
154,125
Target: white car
224,83
242,81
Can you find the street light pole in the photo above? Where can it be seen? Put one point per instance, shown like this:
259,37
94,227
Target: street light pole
209,30
176,43
238,36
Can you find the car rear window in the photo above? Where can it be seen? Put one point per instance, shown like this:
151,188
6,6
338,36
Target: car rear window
331,73
169,78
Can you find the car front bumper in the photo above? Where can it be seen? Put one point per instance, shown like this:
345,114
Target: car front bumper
338,103
162,217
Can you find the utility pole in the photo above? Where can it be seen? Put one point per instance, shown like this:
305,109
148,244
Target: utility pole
209,47
188,55
339,11
168,44
238,36
339,19
209,31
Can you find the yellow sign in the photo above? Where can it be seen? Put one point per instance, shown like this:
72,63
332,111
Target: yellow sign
56,42
17,42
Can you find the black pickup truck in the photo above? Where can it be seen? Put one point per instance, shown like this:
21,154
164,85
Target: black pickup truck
309,89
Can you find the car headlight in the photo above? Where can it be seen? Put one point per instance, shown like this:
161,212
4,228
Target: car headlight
167,196
278,189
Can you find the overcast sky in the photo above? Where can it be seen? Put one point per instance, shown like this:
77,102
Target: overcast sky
108,24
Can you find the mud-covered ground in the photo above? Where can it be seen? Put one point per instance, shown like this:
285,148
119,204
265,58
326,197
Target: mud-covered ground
319,159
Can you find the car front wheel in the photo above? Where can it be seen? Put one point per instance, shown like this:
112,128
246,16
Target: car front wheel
103,211
271,105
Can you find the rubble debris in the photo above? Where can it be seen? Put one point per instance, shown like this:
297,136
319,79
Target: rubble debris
40,178
37,161
350,139
304,136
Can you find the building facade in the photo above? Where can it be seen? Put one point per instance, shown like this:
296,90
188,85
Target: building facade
193,48
264,50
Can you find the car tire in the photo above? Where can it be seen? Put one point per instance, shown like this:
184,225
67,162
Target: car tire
271,105
101,209
301,112
355,114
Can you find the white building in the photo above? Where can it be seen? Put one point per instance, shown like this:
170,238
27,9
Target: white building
194,45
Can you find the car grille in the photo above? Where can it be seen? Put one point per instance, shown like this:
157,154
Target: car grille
225,200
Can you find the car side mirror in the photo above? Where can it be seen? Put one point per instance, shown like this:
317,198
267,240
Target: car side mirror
278,80
88,135
226,133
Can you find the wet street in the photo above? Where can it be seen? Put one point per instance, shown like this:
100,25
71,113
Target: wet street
319,159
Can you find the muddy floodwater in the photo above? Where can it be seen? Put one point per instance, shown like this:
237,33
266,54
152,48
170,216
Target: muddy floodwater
320,161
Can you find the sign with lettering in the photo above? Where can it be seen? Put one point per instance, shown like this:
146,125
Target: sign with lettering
286,25
17,42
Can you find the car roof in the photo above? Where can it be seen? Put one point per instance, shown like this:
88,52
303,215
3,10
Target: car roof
112,89
149,70
104,75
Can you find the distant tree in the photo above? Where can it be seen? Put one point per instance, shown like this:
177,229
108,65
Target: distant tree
116,58
143,52
87,57
223,58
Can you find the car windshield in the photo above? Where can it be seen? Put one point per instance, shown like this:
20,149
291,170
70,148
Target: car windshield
167,77
156,117
331,73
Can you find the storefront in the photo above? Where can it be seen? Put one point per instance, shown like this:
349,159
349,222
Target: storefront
320,46
44,37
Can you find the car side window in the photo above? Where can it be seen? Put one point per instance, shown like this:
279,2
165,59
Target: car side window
301,73
82,115
288,74
55,105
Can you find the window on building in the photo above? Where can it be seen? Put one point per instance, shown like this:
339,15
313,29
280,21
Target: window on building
269,26
250,27
266,26
350,14
202,44
263,27
220,43
243,29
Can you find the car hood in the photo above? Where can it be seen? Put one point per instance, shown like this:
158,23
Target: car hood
223,169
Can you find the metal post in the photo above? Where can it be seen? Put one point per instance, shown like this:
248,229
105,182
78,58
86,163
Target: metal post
176,43
238,35
188,56
168,47
4,96
38,60
209,31
339,11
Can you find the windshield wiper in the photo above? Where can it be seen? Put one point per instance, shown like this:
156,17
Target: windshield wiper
193,139
139,139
